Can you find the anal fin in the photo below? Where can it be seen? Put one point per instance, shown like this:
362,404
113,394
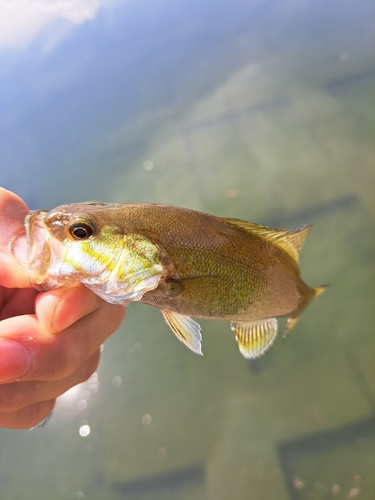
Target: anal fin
255,337
186,329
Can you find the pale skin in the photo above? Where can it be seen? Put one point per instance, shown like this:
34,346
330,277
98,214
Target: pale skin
49,341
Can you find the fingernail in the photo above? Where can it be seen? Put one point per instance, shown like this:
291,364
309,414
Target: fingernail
19,249
15,360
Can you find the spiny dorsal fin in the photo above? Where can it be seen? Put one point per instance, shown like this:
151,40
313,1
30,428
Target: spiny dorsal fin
251,227
255,337
291,243
186,329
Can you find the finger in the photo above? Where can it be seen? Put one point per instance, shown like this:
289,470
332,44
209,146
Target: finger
18,395
39,355
13,211
59,308
16,302
27,417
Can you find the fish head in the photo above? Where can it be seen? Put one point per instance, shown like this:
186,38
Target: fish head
91,244
69,244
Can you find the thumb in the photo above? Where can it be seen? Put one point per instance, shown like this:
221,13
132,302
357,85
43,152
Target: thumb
13,210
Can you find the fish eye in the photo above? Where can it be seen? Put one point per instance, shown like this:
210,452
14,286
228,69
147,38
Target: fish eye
81,231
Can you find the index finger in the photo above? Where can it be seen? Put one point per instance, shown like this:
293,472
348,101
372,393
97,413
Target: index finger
59,308
49,356
13,211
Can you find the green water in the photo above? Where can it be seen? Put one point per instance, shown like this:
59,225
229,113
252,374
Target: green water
257,110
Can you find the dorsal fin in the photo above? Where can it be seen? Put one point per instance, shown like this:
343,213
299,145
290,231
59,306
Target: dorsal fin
291,243
251,227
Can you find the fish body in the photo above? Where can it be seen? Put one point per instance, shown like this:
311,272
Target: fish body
184,262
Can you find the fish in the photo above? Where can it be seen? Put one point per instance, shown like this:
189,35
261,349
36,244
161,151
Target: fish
184,262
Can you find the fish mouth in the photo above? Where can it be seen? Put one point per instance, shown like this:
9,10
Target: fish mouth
41,251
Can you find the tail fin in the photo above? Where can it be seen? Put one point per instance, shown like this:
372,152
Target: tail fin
292,321
319,290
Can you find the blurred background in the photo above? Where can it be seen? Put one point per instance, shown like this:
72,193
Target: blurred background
256,109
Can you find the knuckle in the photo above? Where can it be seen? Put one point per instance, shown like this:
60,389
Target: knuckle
15,396
34,414
90,366
27,417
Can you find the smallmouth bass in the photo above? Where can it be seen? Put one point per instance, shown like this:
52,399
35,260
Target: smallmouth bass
184,262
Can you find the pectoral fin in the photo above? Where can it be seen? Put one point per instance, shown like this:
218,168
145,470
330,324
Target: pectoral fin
256,337
186,329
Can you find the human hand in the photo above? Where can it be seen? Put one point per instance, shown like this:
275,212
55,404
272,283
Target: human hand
49,341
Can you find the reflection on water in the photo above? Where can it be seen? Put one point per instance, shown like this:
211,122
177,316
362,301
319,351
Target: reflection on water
310,458
260,110
84,430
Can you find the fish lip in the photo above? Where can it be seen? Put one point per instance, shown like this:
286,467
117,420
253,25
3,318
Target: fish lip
38,248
